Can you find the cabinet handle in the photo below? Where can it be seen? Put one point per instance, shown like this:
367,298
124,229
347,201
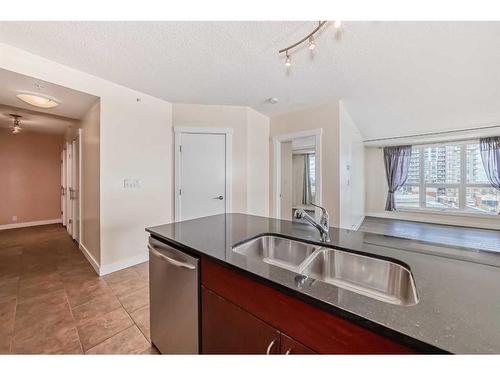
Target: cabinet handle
288,351
270,346
170,260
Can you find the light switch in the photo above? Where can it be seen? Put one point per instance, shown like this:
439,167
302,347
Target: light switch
132,183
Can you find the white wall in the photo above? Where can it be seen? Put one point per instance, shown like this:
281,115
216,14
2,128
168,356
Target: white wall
136,142
324,117
257,163
90,181
351,172
250,173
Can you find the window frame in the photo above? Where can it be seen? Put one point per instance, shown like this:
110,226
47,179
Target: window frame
461,186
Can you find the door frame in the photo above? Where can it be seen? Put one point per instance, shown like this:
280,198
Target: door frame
179,130
78,196
277,139
63,186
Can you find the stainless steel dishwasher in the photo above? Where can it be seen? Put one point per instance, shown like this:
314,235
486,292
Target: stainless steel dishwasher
174,299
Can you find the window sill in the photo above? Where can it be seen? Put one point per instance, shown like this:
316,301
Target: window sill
431,211
443,218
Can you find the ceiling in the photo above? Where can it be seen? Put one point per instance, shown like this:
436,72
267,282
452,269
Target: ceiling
395,78
72,104
35,121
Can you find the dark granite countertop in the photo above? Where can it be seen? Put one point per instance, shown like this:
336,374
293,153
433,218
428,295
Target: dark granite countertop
458,288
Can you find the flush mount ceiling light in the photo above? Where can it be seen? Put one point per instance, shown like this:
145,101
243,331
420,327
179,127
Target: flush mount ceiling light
38,101
17,123
309,37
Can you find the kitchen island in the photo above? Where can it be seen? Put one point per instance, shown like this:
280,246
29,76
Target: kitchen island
250,306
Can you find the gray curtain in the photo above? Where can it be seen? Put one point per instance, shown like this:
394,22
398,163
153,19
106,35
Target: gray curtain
306,191
397,164
490,155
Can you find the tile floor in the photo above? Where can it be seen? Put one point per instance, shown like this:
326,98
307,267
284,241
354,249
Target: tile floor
53,302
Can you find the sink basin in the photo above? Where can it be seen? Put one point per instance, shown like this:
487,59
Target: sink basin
278,251
376,278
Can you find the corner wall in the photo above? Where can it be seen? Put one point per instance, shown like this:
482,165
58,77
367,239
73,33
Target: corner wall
351,172
90,177
325,117
250,176
136,142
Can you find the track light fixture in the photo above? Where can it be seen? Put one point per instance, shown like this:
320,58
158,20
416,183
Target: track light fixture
309,37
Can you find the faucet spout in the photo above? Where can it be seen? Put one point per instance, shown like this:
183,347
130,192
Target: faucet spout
323,226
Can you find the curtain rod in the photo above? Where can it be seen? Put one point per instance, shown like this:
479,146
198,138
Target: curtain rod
427,134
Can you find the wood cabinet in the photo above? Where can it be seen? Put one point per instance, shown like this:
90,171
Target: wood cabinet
242,315
228,329
291,346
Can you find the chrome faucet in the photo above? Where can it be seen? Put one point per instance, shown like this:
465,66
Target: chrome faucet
324,222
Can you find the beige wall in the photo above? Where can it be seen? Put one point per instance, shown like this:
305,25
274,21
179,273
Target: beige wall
30,176
325,117
249,163
90,173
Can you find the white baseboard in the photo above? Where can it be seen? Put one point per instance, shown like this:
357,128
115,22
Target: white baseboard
29,224
90,258
117,266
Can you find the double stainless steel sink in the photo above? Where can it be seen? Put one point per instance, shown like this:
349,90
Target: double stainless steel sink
381,279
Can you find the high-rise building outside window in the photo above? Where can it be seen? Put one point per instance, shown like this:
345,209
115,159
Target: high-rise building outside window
448,177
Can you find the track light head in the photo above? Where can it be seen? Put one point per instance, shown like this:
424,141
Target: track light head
312,43
288,61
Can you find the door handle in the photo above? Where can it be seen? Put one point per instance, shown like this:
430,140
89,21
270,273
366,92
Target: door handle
270,346
170,260
220,197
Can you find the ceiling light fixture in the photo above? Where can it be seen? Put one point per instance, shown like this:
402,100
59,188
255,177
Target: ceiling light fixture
38,101
337,24
17,123
309,37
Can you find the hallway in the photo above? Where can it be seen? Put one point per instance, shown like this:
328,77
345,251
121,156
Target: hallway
53,302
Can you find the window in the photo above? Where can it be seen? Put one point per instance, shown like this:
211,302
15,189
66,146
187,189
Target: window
448,177
312,174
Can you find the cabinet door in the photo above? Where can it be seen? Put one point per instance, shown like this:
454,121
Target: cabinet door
228,329
291,346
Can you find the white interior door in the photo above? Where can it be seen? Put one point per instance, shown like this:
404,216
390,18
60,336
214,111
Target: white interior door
63,187
69,193
75,184
201,189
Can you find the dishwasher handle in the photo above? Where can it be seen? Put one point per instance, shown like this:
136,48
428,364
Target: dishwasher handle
170,260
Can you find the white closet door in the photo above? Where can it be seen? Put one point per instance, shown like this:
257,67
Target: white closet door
202,188
75,184
69,191
63,187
